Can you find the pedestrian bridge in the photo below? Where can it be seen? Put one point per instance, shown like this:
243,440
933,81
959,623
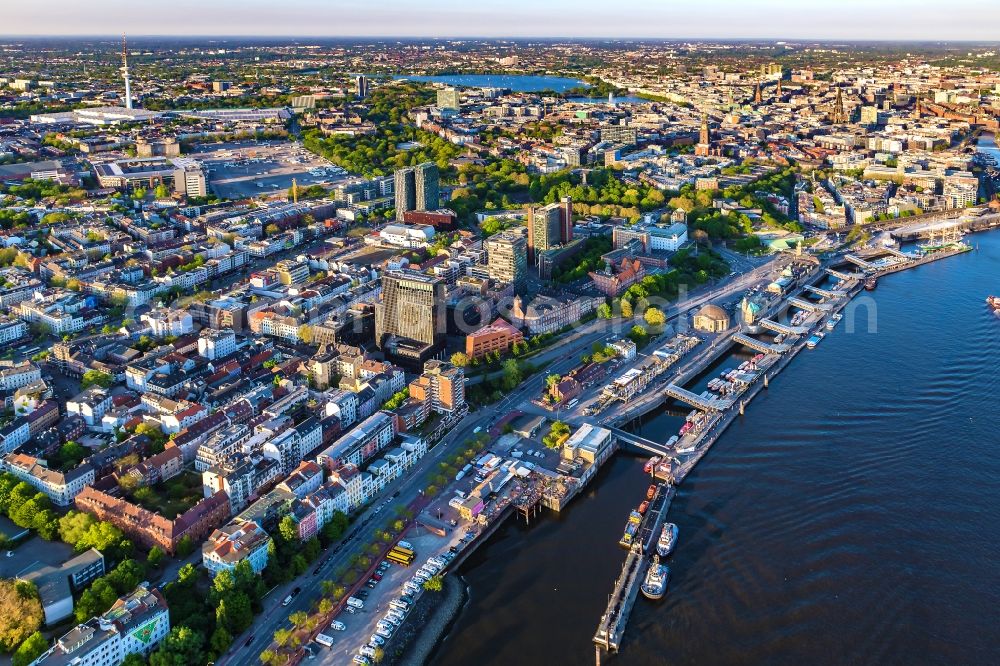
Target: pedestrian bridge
641,443
809,305
762,347
841,276
777,327
897,253
708,404
825,293
858,261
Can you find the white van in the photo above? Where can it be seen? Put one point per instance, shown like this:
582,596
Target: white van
324,640
354,602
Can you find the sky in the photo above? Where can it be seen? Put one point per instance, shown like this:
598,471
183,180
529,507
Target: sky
937,20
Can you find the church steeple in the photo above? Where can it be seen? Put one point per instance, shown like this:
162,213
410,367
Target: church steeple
777,90
839,117
758,97
704,147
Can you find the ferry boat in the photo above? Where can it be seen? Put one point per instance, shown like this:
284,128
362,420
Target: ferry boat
667,541
871,283
656,579
650,464
993,302
631,527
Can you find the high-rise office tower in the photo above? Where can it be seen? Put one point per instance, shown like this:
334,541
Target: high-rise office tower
410,308
362,90
447,98
507,258
427,182
549,226
566,220
406,191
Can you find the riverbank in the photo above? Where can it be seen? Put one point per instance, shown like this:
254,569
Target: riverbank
431,622
824,480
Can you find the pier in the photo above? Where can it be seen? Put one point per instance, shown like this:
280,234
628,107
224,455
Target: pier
612,625
720,414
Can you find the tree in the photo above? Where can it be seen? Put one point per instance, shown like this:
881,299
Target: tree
460,359
655,317
512,375
96,599
133,659
30,649
20,613
182,646
155,557
306,333
185,546
288,529
626,309
162,191
220,640
434,584
234,613
604,311
96,377
126,576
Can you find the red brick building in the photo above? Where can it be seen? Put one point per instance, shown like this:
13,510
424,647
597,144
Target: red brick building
498,336
151,529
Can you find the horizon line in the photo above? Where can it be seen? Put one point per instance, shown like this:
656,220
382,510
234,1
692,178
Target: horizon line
907,40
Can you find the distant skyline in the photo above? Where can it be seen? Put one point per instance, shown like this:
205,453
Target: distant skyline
890,20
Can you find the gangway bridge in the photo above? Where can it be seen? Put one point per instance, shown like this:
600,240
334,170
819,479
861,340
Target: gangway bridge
898,253
637,442
777,327
759,345
706,404
809,305
612,626
825,293
842,276
858,261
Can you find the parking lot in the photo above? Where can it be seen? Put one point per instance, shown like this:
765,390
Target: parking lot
236,170
362,624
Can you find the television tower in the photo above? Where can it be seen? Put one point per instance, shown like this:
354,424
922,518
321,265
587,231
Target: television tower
128,82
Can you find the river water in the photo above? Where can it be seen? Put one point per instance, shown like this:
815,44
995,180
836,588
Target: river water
849,517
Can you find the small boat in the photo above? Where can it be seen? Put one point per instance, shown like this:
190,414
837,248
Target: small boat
656,579
667,541
831,324
994,302
631,527
813,341
650,464
651,491
643,507
871,283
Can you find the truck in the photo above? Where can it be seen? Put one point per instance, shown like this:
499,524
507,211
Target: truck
324,640
354,602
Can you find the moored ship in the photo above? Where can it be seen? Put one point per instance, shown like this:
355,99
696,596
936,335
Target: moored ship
871,283
656,579
993,302
667,541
